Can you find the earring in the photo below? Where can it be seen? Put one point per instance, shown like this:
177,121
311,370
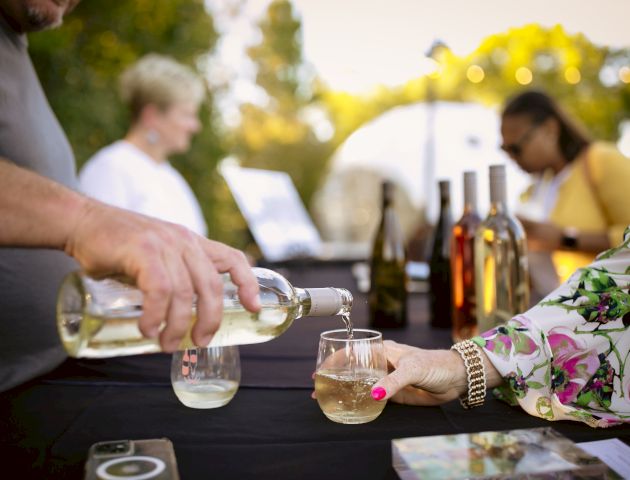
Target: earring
153,137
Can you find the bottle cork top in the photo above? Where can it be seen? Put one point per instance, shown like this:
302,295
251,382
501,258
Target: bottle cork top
497,184
470,189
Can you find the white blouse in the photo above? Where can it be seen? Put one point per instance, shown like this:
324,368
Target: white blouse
124,176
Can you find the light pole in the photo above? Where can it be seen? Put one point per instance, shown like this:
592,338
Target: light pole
429,146
420,243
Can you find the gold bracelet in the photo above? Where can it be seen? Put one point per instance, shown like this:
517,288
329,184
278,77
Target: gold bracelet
476,372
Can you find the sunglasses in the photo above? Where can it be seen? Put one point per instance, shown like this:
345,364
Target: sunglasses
515,149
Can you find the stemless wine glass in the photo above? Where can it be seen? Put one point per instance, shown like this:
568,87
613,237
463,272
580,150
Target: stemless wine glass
206,377
347,368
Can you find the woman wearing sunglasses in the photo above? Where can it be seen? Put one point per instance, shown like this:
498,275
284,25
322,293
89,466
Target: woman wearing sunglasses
579,201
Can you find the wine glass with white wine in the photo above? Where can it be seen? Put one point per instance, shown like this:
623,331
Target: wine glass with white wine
347,368
206,377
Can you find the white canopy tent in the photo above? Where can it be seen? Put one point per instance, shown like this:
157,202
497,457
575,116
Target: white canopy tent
415,146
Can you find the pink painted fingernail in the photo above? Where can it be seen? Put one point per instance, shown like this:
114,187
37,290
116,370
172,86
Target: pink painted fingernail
378,393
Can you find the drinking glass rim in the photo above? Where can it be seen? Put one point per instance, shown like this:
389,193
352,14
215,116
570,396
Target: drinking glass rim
377,335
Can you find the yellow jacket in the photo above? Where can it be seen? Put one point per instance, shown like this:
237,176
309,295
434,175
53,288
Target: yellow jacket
599,204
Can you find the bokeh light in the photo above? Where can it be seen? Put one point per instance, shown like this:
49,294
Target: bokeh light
475,74
624,74
572,75
523,75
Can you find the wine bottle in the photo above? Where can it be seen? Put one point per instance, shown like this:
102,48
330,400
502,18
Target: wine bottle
387,297
440,263
99,318
463,265
501,269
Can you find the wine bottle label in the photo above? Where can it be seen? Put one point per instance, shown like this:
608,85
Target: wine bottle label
324,302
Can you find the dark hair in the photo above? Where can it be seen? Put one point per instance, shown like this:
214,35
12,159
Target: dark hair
539,106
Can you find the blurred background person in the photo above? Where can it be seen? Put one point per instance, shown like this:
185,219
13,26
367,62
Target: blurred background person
578,204
163,98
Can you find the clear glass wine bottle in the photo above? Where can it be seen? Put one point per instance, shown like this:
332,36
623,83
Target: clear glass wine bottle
99,318
501,268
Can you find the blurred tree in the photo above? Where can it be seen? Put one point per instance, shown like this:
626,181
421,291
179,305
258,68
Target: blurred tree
283,133
582,76
348,112
79,65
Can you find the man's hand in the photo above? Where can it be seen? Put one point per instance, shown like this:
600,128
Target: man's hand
168,262
169,265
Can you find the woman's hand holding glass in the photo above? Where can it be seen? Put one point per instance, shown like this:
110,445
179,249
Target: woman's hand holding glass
426,377
421,377
346,370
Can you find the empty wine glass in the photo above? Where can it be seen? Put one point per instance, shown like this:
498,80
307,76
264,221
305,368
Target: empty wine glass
206,377
347,368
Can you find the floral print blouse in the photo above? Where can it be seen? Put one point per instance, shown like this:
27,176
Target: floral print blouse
566,358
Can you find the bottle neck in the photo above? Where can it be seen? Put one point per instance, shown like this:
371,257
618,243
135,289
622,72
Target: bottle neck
470,192
498,204
445,212
387,194
498,209
497,189
445,192
445,201
324,302
469,208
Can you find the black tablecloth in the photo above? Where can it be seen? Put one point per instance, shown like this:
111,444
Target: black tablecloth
271,429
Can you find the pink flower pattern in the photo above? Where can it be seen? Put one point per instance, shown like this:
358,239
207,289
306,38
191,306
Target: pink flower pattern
566,358
573,364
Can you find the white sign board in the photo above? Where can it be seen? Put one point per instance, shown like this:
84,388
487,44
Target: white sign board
274,213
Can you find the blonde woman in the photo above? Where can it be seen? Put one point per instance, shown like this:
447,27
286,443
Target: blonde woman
134,173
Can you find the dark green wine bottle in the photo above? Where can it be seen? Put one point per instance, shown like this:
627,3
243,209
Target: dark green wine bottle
388,277
440,263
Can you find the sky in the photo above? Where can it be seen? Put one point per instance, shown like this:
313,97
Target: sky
355,45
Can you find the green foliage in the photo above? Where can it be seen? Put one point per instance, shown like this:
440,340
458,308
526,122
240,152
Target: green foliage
279,55
278,136
79,65
549,54
348,112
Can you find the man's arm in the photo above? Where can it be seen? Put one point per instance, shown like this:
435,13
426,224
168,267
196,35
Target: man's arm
35,211
168,262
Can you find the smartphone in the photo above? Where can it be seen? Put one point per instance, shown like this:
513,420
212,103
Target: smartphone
132,460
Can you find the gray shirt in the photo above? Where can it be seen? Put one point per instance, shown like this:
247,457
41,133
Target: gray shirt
31,137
